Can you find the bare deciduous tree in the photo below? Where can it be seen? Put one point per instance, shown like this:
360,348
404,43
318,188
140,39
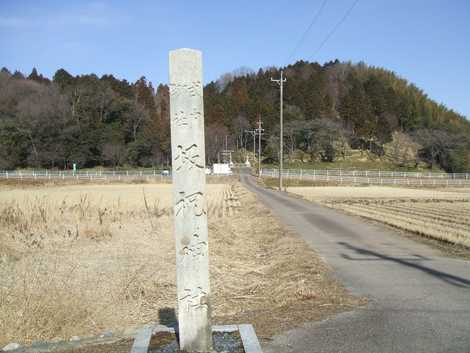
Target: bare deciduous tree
114,153
215,141
402,150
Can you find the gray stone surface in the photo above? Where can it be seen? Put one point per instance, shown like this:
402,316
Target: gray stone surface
106,334
223,339
10,347
189,195
58,344
142,339
224,328
419,298
249,339
163,328
39,344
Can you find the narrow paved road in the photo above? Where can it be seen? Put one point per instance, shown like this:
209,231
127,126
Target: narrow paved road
419,299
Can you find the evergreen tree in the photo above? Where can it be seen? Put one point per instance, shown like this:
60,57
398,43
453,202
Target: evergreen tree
327,108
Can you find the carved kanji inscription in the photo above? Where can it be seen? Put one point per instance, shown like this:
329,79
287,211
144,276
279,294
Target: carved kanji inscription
188,157
193,89
196,247
194,201
195,298
183,118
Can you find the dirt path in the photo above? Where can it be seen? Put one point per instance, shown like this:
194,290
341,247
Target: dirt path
420,299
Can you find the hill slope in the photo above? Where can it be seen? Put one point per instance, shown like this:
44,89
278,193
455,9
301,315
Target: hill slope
329,109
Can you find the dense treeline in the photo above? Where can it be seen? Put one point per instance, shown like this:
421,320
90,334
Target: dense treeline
328,109
84,119
332,108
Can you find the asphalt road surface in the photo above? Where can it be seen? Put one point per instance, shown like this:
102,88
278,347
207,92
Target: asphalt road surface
419,299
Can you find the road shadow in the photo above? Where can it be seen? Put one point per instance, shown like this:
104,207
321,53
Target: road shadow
443,276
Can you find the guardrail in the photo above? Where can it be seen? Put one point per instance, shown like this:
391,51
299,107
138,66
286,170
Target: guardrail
372,177
84,175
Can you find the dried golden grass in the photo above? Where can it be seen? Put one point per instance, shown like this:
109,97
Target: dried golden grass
105,260
38,183
340,193
79,259
446,220
441,214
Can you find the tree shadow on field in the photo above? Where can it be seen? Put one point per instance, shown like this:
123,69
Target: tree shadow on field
443,276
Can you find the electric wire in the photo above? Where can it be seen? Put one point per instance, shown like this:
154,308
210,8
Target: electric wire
304,34
335,28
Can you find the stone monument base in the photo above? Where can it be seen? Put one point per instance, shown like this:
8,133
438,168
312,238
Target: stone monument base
227,338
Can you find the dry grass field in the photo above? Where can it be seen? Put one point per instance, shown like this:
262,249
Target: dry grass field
442,214
81,259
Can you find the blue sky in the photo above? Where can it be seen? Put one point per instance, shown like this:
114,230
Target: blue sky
424,41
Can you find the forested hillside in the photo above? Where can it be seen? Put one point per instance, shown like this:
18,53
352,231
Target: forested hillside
328,111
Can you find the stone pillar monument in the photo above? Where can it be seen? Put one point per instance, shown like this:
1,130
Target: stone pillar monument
189,195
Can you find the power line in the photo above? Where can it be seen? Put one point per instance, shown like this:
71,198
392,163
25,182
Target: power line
304,35
335,28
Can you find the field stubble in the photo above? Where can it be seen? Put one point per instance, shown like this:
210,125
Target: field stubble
80,259
442,214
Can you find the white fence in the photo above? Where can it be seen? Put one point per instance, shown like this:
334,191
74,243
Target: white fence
372,177
84,175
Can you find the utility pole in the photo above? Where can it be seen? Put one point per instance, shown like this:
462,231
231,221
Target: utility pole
253,133
259,131
244,146
227,154
280,82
